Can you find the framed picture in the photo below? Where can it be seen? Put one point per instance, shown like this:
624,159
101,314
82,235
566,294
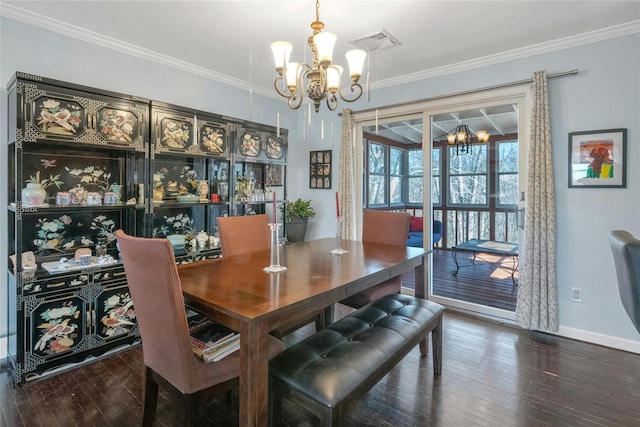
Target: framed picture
598,158
273,175
320,169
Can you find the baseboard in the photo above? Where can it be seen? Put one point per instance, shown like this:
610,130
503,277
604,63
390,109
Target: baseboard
600,339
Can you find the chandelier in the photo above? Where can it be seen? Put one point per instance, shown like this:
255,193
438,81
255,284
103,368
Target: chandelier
323,77
462,138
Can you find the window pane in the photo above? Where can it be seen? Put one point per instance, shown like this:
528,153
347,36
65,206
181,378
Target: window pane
468,163
376,158
396,161
436,196
415,162
508,157
435,161
395,189
468,190
376,190
415,190
508,189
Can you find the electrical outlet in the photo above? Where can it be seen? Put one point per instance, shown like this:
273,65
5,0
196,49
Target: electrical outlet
576,294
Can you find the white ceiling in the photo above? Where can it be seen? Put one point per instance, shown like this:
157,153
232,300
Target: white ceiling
230,40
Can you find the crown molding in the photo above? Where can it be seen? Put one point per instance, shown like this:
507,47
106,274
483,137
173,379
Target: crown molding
27,17
520,53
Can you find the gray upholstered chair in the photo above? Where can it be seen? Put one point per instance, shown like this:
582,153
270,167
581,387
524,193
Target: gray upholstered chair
153,280
626,256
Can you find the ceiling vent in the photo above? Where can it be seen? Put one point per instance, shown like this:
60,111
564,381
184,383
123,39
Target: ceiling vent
376,41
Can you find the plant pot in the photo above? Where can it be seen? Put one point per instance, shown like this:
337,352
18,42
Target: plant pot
296,229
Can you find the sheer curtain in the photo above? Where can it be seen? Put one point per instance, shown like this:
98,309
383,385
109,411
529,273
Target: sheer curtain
346,183
537,305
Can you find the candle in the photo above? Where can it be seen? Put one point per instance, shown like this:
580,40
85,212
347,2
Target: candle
337,206
309,116
278,124
322,130
275,220
331,134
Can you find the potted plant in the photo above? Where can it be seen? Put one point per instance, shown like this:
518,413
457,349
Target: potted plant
296,214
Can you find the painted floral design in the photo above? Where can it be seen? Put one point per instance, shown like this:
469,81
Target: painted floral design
46,182
50,233
178,224
92,175
274,148
250,145
119,315
105,227
175,134
116,125
212,140
62,120
57,332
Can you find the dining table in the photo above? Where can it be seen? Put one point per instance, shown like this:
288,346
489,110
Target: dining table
237,292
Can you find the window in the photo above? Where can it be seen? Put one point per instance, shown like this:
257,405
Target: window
396,176
386,176
507,173
377,167
436,181
468,177
415,177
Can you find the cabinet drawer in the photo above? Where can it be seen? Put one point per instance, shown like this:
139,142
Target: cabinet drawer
110,276
55,283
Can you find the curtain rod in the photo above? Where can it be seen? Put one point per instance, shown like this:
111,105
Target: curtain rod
466,92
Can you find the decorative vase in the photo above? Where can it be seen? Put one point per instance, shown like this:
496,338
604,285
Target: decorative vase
117,188
296,230
78,195
33,194
202,239
203,190
158,194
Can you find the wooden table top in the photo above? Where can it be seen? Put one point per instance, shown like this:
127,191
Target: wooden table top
237,286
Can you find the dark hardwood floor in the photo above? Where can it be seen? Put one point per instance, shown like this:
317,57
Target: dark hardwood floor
493,375
485,283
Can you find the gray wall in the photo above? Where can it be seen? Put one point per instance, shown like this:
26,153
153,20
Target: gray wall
605,94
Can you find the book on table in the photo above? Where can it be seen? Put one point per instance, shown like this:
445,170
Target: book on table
211,341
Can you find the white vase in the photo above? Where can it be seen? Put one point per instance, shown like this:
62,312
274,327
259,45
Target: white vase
203,190
33,194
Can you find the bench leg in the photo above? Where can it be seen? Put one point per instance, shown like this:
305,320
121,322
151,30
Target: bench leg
436,336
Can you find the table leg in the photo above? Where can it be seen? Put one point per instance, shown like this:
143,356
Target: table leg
422,291
454,255
254,375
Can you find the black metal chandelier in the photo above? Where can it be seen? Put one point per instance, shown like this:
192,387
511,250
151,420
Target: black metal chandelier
463,139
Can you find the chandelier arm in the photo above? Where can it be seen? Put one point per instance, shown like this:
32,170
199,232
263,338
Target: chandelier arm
332,101
280,79
356,88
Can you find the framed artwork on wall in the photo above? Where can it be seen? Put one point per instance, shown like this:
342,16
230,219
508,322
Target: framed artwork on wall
598,159
320,169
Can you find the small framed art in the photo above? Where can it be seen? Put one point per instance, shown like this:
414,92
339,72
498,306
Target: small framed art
598,158
273,175
320,169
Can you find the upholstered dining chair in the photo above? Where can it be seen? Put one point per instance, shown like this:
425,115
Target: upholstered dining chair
388,228
626,257
243,234
153,280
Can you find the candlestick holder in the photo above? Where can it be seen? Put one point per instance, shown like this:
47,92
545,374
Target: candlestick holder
275,250
339,250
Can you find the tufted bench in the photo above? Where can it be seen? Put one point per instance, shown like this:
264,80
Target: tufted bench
330,370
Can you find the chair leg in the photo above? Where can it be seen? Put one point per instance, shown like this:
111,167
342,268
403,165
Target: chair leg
321,321
150,397
436,336
328,315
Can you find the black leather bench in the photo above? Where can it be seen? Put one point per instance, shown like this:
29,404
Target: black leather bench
330,370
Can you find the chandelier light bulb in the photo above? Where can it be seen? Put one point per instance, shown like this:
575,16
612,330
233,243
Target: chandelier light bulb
324,43
291,77
333,77
355,58
281,54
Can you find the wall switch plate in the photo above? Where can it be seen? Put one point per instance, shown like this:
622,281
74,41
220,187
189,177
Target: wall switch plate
576,294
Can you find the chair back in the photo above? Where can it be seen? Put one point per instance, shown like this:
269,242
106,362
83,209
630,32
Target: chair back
242,234
437,227
153,280
389,228
626,257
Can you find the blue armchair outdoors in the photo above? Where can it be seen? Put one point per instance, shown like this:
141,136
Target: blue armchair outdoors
415,237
